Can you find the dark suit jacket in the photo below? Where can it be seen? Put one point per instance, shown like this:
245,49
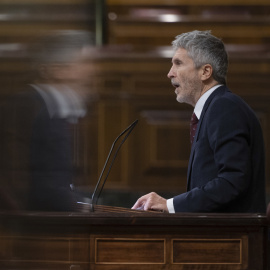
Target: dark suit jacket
226,171
51,162
42,158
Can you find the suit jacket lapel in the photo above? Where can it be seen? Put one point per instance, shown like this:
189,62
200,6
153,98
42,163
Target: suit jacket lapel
217,92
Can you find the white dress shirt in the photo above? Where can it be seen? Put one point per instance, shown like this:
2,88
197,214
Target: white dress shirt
198,111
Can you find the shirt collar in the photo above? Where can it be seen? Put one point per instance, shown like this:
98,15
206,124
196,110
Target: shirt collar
200,103
64,104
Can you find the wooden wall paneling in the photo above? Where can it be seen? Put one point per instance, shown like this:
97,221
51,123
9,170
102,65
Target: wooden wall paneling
158,34
166,134
185,2
156,25
86,150
43,2
251,73
162,150
155,85
113,119
14,72
22,21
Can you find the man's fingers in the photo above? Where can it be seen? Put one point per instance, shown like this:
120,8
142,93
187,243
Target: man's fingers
141,203
135,206
138,204
151,201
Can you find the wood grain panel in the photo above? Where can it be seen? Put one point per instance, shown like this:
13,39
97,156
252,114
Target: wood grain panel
157,25
130,251
79,250
42,2
162,149
113,119
207,251
22,21
168,137
186,2
35,249
149,33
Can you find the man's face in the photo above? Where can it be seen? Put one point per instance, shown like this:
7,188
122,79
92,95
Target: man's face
185,78
76,73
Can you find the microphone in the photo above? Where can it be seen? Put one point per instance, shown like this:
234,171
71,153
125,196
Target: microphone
128,130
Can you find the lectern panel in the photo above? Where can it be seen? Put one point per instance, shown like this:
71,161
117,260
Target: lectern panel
130,251
207,251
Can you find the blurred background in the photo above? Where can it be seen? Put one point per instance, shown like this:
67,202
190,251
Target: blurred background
128,77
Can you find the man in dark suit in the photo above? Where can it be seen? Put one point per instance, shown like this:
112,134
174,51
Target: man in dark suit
226,171
42,118
59,95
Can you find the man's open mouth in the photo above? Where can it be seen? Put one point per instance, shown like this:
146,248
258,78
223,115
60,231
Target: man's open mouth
175,84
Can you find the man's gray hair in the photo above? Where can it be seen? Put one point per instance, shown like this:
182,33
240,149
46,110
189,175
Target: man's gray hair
204,48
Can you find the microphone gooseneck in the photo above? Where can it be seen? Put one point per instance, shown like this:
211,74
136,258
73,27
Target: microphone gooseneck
128,130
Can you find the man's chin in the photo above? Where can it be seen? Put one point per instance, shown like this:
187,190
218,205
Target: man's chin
179,99
185,100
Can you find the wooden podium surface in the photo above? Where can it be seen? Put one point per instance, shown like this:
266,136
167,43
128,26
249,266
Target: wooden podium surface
115,238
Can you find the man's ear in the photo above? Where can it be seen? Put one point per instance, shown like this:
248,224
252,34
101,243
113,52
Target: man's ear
206,72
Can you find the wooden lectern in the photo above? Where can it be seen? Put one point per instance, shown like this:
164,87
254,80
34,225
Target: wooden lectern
112,238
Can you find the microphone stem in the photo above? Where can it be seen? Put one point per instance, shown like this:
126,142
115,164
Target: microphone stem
130,128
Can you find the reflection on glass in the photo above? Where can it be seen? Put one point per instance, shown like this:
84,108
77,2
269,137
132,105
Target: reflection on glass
39,124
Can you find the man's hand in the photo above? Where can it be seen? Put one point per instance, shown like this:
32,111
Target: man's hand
151,201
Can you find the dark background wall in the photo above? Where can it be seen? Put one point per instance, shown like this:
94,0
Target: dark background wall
129,79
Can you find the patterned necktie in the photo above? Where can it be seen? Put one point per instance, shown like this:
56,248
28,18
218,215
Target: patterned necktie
193,125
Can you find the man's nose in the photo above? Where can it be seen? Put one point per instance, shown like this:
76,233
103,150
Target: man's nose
171,73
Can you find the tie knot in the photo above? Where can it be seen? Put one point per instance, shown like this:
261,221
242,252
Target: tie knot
194,120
